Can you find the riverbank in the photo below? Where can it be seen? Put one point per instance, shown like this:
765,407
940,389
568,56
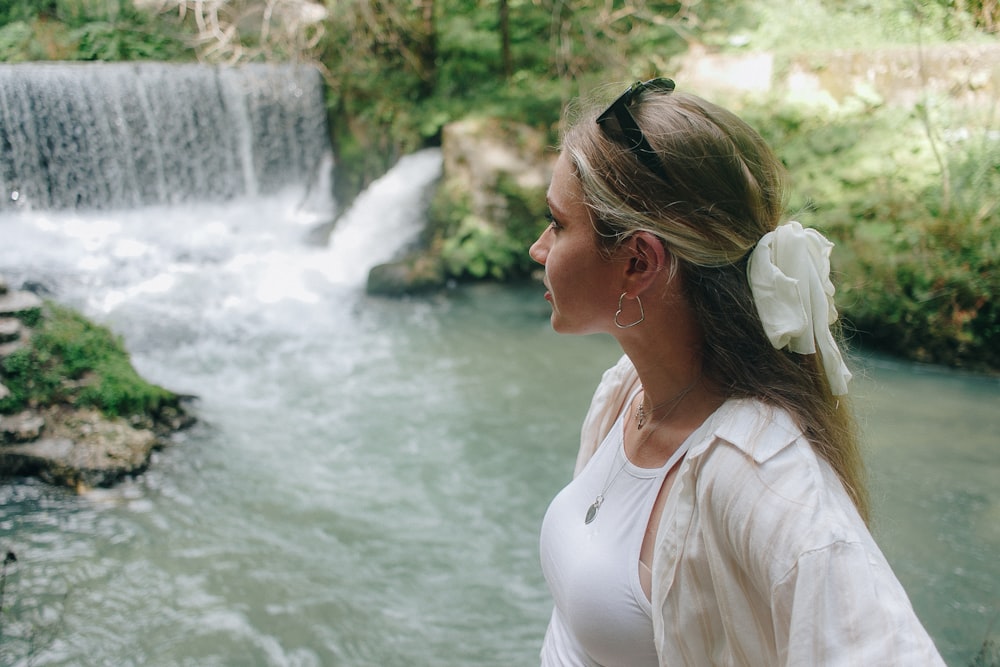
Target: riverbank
73,412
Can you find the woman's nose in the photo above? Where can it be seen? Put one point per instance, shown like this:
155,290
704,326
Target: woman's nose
539,250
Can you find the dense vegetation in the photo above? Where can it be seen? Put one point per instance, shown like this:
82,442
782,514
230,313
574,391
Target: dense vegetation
910,195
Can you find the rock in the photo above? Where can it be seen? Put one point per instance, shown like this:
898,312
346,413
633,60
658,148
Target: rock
62,444
412,275
3,285
10,329
479,152
82,448
36,459
23,427
15,303
12,336
7,349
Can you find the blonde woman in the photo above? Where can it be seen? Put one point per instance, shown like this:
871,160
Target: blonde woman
718,513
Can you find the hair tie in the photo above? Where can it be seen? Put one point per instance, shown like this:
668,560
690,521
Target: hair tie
789,274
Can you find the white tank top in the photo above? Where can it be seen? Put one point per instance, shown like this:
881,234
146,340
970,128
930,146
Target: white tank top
602,616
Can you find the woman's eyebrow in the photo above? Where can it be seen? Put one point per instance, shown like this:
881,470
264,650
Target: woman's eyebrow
553,209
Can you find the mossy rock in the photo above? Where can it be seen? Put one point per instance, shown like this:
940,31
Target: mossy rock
415,274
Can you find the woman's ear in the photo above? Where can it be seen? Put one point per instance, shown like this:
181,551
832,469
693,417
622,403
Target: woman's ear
646,259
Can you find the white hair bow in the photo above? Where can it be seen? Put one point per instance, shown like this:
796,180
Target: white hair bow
789,274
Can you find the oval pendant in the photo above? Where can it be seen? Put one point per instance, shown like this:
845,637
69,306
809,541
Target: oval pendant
592,511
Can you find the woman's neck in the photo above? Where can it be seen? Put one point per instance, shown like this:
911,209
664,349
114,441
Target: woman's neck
677,397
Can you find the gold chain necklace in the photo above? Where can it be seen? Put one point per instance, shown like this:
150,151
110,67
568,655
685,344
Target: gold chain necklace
640,412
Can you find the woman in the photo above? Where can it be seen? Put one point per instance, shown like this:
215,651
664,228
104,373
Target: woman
718,514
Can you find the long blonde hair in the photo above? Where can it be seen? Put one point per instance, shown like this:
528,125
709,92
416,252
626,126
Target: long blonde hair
724,188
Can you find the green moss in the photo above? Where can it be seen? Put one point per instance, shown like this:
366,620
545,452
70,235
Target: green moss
497,248
71,360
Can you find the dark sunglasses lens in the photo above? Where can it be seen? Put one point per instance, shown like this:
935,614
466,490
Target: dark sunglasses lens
609,120
659,85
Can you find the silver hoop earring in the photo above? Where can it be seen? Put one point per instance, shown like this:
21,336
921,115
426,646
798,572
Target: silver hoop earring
642,313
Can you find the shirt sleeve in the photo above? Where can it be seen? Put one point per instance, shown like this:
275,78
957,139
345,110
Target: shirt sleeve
762,558
842,605
792,529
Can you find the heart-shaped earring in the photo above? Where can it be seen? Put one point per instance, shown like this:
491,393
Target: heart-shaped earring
642,313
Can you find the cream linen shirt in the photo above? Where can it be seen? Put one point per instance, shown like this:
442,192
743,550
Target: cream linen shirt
761,558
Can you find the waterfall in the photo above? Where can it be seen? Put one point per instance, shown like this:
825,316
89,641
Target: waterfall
385,218
172,186
127,135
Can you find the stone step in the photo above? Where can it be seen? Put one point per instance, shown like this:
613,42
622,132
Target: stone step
10,329
7,349
14,303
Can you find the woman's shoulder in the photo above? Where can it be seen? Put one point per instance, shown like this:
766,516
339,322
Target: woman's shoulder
748,446
756,429
759,481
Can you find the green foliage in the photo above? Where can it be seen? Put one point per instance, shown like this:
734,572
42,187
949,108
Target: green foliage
23,10
478,250
381,102
131,35
929,293
108,30
15,41
915,219
71,360
485,249
851,24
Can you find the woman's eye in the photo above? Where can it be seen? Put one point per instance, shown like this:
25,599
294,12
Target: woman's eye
552,221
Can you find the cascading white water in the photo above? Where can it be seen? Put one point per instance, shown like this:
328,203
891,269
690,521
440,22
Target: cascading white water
122,135
174,175
380,222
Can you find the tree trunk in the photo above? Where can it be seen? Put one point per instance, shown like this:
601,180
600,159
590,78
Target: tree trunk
508,62
427,47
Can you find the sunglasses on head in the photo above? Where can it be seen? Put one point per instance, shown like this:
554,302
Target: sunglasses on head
618,123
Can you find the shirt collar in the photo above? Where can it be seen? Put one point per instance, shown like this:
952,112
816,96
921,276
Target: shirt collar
757,429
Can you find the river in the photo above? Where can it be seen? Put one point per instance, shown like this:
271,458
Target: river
367,479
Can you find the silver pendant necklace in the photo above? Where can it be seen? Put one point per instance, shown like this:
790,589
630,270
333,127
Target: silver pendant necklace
671,462
641,421
599,500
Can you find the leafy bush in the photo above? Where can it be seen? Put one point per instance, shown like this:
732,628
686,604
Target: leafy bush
915,219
